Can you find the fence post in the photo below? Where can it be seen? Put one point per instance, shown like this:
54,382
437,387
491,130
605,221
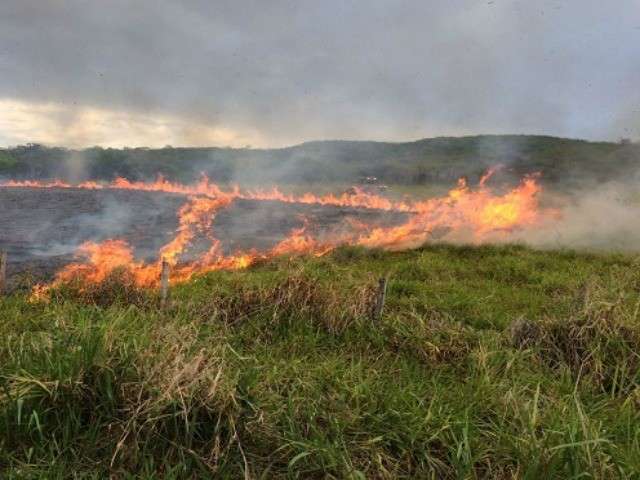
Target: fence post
381,296
3,272
164,283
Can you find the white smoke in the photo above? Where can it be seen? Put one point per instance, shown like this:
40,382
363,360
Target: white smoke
603,218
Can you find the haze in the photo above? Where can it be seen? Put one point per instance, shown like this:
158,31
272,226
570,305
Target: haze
266,74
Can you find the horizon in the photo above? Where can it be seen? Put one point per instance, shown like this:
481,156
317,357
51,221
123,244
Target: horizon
306,142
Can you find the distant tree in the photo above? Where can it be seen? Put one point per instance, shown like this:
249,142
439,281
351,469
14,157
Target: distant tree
7,162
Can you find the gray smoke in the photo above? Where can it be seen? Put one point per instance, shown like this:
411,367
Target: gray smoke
604,218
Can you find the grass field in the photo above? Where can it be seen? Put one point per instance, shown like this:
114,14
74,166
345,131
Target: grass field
488,362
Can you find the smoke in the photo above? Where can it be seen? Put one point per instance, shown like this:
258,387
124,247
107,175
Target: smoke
50,223
75,167
113,220
604,219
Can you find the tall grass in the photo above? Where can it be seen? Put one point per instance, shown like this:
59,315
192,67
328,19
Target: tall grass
488,362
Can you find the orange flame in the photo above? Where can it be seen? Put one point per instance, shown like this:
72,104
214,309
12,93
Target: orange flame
358,198
464,213
197,214
478,213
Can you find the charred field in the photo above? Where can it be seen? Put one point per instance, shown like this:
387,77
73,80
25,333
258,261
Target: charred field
488,361
45,226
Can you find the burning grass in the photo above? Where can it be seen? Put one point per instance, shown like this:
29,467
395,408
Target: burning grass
117,287
475,214
277,371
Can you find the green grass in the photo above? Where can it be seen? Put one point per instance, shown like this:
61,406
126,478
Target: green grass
488,362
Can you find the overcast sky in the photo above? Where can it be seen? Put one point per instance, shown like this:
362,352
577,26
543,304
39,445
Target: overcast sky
272,73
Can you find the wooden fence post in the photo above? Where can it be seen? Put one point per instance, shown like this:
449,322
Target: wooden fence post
381,296
164,283
3,272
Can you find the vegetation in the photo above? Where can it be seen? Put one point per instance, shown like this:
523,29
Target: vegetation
7,162
488,362
433,161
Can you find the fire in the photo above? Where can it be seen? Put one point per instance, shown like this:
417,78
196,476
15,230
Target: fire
476,213
100,260
197,214
470,214
359,199
300,242
516,208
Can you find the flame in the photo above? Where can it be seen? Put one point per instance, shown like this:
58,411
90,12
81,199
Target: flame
478,213
488,174
300,242
100,260
470,214
197,214
356,198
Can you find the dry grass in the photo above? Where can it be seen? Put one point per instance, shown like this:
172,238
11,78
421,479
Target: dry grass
296,296
599,343
183,392
118,288
433,339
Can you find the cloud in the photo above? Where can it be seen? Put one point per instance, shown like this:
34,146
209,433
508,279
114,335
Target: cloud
53,123
286,71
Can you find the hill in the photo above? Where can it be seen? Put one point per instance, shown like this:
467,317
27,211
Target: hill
488,362
424,162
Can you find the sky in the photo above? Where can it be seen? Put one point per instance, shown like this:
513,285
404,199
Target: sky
272,73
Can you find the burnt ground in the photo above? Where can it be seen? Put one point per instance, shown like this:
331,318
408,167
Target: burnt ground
41,228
